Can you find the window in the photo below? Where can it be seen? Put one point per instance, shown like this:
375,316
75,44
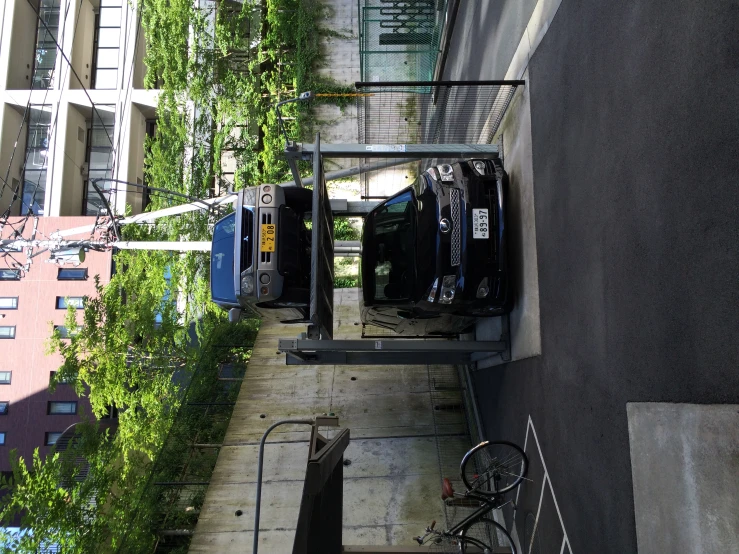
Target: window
2,438
106,43
60,380
62,408
4,405
65,274
37,148
389,269
8,302
10,274
7,332
222,261
51,438
46,32
99,158
62,302
66,333
5,377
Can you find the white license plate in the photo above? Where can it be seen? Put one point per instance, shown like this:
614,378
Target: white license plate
480,224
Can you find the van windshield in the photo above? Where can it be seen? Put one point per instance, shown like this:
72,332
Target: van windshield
222,261
388,271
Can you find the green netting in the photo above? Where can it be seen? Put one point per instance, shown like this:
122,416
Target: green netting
399,39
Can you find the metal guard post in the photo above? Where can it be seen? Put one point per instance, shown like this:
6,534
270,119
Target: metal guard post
260,467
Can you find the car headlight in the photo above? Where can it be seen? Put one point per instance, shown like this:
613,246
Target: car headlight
479,166
447,173
448,289
432,292
247,284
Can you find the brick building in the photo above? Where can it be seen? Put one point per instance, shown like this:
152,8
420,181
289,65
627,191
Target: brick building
31,302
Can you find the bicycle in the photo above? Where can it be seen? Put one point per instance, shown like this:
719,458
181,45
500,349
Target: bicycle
489,471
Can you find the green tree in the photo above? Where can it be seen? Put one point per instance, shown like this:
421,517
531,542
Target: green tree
58,507
128,348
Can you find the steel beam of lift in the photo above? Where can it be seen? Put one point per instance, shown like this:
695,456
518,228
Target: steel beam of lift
317,346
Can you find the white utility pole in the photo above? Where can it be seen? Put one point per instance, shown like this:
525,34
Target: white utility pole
178,246
153,216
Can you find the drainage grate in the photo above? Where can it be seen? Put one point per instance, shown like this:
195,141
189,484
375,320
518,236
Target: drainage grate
451,429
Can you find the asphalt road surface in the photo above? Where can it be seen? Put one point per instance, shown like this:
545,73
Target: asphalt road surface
635,125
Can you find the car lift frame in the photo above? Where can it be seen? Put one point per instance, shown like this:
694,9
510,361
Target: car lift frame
317,346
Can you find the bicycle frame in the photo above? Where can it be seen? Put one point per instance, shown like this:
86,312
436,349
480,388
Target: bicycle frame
489,503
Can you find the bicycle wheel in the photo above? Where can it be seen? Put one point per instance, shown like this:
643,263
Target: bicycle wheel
494,467
486,534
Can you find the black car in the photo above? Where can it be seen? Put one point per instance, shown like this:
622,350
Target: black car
434,255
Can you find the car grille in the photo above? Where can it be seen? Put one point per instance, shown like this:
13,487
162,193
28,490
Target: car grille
247,230
456,209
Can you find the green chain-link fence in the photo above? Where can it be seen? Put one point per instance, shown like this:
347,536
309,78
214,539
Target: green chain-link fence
399,39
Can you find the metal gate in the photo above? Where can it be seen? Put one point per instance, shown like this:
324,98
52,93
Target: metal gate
399,39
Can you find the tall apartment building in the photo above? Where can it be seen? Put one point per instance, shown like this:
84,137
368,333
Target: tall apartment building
59,130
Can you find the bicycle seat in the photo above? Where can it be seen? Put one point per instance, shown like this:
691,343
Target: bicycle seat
447,491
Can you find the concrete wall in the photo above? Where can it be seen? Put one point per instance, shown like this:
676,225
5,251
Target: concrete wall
19,39
68,197
342,65
391,487
139,68
82,48
133,148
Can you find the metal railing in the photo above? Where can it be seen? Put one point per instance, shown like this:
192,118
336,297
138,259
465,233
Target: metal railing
430,112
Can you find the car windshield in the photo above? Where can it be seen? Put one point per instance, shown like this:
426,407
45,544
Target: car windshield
222,261
392,251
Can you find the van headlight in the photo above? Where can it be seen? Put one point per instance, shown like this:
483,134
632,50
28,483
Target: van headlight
247,284
479,166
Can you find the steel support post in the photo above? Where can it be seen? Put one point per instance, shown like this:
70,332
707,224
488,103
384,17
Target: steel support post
305,151
386,352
